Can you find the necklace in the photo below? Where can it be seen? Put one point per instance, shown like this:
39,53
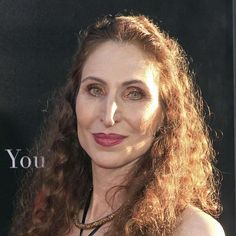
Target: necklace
96,224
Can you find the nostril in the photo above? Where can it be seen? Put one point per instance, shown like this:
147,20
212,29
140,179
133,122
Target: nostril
108,121
110,113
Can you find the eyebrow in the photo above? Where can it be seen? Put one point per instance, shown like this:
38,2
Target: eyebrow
133,81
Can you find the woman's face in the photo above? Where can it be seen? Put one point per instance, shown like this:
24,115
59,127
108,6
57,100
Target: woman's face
117,107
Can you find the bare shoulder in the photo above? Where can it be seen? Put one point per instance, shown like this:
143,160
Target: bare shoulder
195,222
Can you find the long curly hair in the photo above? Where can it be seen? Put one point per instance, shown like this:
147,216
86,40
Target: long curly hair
177,171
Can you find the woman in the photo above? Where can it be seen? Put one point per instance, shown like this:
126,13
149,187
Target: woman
127,150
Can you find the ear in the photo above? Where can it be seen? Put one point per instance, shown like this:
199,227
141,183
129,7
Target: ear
161,119
160,122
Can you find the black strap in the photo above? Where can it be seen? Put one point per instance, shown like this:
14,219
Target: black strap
85,214
95,230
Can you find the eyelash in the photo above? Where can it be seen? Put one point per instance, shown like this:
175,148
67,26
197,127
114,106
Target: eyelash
130,90
133,90
94,86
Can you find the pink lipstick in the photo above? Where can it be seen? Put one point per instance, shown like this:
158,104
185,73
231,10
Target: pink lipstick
108,140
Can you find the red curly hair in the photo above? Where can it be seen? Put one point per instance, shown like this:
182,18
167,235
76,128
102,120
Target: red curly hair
177,171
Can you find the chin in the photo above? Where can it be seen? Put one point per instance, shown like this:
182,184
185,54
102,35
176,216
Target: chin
109,160
107,165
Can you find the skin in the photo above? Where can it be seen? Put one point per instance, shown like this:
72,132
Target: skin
195,222
125,101
110,100
110,105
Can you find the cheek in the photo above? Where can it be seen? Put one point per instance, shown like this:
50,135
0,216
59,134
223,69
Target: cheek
147,121
85,112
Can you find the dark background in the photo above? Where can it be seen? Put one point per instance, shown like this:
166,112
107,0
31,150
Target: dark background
38,39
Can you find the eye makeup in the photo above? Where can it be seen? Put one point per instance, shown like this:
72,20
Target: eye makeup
95,90
134,93
98,88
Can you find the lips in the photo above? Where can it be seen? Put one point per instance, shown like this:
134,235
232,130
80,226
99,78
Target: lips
108,140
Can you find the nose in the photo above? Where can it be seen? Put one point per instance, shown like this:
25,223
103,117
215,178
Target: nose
110,112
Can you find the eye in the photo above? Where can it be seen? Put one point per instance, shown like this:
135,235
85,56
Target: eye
134,93
95,90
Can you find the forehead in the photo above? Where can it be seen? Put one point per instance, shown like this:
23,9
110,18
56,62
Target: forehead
118,62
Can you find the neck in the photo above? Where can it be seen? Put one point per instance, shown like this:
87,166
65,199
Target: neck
105,197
